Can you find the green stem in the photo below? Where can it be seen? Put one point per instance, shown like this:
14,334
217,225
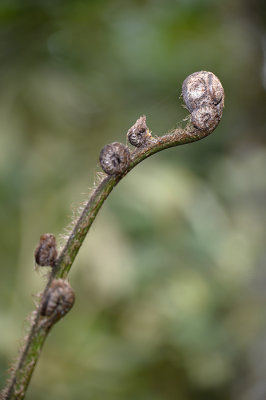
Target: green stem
20,379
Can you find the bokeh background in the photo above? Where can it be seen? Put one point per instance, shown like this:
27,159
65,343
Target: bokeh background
171,281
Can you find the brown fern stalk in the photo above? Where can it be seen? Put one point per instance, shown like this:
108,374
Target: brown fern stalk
204,97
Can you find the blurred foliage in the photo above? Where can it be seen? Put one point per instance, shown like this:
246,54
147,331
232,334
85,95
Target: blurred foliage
170,282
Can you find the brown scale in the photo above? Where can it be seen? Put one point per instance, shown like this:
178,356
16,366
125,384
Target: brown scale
138,135
58,300
204,97
114,158
46,253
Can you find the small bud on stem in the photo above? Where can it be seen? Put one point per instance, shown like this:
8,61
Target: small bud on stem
114,158
138,135
46,253
58,300
204,97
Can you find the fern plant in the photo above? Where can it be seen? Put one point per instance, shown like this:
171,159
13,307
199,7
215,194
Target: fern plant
204,98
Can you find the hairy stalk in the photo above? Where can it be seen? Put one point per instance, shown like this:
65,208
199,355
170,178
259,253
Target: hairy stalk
22,373
38,333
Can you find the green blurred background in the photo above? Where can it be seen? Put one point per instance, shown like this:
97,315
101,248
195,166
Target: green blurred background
171,281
